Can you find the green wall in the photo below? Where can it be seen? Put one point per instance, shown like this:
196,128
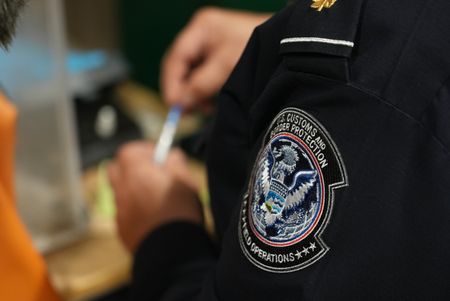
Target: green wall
148,27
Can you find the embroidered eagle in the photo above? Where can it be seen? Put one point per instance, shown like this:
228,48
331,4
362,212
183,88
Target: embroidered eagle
320,4
280,196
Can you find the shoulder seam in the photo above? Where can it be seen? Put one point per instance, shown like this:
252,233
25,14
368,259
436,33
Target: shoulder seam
404,113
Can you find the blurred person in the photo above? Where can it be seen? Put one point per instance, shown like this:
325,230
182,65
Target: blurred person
23,274
327,165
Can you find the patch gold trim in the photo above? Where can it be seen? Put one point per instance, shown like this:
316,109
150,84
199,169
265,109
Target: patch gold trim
320,4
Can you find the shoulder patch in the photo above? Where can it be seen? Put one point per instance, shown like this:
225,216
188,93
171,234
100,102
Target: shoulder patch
290,194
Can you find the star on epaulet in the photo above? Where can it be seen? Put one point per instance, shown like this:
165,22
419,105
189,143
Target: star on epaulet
320,4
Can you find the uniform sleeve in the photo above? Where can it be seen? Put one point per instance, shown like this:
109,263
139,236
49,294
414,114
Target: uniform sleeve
172,263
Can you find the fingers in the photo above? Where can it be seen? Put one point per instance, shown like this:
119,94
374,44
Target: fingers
147,194
175,68
134,155
177,165
207,79
187,50
134,151
204,54
135,161
129,159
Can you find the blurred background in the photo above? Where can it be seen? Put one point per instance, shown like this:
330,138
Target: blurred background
84,76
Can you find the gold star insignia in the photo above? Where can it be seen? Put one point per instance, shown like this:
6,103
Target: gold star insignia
320,4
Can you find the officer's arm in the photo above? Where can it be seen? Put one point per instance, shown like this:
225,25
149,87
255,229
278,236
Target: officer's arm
172,263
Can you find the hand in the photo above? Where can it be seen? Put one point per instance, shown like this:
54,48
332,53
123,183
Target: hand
149,195
204,54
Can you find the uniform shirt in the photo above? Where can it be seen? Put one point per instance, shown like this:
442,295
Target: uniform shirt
23,274
329,164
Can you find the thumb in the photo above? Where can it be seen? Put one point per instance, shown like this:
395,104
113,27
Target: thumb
205,81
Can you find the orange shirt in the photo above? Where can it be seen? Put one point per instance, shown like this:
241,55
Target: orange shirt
23,275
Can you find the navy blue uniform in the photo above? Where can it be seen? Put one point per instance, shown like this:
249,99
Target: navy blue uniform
329,164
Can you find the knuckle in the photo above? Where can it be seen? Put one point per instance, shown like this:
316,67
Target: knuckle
123,153
177,155
199,89
127,152
205,14
171,54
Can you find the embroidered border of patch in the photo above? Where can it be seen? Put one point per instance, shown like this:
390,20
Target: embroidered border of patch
290,194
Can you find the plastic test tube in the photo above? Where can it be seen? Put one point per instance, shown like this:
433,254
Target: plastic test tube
167,135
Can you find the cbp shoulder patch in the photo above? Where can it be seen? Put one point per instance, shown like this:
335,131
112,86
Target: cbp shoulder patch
290,194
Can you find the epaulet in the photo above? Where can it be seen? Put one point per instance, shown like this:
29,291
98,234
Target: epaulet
322,26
